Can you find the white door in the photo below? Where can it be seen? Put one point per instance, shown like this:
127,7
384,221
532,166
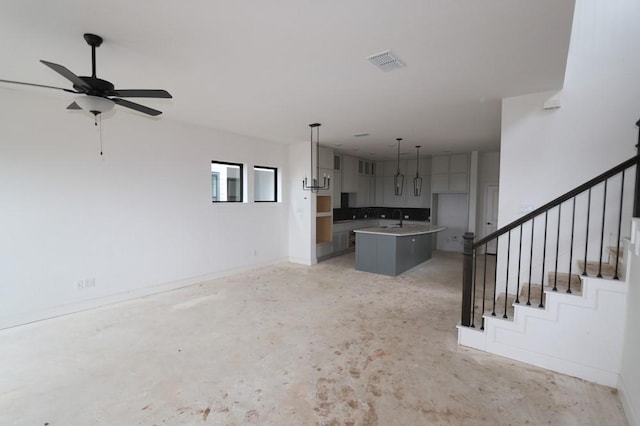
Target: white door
491,215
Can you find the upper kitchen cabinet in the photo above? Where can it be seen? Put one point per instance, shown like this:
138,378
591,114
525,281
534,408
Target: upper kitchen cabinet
450,173
349,174
336,181
424,200
325,158
389,198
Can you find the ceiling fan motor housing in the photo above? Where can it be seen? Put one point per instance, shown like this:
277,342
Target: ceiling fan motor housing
97,86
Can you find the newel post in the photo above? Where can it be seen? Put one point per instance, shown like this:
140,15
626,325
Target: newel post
467,279
636,193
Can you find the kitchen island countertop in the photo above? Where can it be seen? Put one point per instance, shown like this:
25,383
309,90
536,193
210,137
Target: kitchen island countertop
405,230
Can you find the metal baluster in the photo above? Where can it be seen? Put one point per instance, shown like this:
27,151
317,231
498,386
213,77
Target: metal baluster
604,211
484,285
573,220
473,289
495,280
586,238
533,221
519,261
544,256
506,284
615,275
555,277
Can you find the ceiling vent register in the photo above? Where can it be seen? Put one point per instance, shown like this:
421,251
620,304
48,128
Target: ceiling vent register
385,61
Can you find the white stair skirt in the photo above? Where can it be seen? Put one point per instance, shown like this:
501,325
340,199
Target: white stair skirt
578,335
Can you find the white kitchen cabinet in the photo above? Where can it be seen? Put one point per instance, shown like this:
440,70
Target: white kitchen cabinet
450,173
459,163
366,191
378,196
389,169
349,174
336,188
440,182
458,182
325,158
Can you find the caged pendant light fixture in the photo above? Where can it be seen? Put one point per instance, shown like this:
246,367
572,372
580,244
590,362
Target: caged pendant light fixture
315,179
398,178
417,181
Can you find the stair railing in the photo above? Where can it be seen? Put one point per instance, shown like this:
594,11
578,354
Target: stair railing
478,277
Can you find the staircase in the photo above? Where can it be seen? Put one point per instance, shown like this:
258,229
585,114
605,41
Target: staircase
537,300
578,333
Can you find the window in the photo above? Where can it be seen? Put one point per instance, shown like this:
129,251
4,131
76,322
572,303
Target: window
265,182
226,182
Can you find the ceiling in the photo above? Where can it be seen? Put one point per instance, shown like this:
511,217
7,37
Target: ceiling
269,68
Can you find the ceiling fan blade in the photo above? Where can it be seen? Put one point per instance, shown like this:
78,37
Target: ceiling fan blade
137,107
38,85
74,105
142,93
77,81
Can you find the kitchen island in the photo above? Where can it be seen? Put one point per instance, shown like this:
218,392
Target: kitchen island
391,250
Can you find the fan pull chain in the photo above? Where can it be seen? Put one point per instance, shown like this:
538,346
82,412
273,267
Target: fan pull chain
100,133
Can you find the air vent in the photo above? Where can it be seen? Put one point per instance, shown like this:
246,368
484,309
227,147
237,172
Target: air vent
385,61
360,135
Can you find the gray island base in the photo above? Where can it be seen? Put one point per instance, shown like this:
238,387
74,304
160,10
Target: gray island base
393,250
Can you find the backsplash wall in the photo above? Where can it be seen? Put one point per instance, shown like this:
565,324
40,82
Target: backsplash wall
378,212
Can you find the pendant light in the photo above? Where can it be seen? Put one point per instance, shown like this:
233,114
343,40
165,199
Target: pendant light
398,179
315,186
417,181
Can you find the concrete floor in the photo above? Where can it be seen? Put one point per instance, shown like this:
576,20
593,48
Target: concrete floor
284,345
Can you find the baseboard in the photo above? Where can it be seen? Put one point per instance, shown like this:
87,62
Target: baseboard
84,305
630,409
302,261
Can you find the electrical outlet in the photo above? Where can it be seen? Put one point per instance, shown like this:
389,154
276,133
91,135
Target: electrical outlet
86,283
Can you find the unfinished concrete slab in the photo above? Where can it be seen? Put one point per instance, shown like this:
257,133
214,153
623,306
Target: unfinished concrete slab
284,345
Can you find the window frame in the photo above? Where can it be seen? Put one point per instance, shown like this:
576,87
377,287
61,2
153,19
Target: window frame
275,184
240,182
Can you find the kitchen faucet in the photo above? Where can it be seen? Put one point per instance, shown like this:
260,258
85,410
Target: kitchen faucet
394,212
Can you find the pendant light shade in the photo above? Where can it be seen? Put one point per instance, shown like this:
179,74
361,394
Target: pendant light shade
417,181
315,186
398,178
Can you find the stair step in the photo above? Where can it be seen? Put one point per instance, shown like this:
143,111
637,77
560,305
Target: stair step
562,282
500,306
613,253
536,289
593,266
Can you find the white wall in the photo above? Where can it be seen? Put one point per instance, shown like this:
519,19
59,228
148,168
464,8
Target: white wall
137,220
629,383
545,153
488,174
302,229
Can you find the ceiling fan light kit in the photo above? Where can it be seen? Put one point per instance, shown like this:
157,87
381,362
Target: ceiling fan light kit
97,95
94,104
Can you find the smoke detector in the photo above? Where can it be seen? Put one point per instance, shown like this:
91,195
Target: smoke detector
385,61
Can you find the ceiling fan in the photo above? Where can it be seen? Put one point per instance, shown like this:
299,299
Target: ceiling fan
98,95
